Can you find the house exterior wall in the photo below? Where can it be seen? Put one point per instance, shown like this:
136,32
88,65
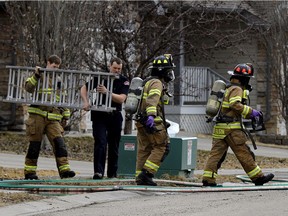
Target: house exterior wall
221,61
192,118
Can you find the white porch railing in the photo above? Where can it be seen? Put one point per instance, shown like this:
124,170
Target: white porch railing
195,85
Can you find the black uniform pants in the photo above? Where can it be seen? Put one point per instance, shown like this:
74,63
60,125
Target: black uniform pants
107,129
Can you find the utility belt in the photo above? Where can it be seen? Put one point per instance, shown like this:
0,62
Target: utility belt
49,115
226,119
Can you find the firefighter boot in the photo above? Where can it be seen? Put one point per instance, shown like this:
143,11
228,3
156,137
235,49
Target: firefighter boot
145,178
31,176
67,174
206,183
263,179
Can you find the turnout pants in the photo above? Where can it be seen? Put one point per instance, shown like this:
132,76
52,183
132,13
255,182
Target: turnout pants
236,140
36,126
151,149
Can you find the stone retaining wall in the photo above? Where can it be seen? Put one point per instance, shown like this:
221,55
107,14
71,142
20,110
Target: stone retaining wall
273,139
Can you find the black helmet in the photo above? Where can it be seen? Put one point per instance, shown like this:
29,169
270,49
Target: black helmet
245,70
163,67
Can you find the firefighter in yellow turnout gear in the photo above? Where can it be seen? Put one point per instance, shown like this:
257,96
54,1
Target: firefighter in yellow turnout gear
152,137
46,120
228,131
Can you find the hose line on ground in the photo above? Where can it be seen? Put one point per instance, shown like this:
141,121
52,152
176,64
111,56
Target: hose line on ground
74,186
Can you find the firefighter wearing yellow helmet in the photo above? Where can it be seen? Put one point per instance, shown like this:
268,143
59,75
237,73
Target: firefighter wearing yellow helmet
152,137
228,130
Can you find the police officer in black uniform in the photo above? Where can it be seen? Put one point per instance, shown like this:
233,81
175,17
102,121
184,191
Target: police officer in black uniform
107,126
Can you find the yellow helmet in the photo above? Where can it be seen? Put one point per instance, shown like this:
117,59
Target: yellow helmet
162,67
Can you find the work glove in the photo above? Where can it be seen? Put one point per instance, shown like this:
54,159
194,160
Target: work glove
255,114
63,123
150,122
37,72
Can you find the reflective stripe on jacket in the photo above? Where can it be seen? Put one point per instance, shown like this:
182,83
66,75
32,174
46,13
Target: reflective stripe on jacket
50,115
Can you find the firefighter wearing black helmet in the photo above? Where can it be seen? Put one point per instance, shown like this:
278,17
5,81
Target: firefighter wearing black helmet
152,137
228,130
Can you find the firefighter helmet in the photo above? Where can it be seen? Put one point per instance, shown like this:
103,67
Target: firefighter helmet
163,67
245,70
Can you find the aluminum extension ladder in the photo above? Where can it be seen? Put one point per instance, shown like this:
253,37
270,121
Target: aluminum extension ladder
66,83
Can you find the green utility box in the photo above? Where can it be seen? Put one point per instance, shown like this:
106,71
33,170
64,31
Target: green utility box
181,161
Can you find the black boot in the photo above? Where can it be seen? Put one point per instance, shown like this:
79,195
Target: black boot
31,176
67,174
97,176
145,178
263,179
206,183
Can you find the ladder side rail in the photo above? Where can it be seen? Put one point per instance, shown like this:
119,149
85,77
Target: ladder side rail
65,71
